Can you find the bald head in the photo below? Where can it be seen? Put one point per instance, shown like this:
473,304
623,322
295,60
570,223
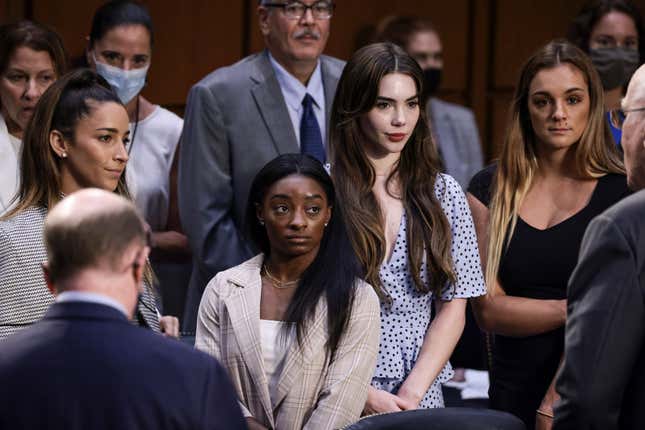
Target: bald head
91,228
635,90
633,137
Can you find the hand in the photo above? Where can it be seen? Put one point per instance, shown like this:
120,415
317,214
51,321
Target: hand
169,326
379,401
254,424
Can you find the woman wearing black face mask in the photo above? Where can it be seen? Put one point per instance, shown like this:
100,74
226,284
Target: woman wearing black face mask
611,33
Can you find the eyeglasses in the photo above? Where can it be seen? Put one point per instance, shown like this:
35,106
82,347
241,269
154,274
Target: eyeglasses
617,116
322,9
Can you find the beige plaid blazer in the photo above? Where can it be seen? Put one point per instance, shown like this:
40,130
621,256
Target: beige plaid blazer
312,392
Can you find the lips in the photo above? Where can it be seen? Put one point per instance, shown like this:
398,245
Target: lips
395,137
298,238
115,172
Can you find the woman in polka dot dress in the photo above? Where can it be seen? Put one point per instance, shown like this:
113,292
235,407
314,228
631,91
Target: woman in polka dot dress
410,225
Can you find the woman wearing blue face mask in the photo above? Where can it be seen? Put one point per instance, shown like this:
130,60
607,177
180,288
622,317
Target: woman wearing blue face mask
611,33
120,50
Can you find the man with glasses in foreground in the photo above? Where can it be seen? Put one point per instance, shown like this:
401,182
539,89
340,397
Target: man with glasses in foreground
602,381
240,117
85,366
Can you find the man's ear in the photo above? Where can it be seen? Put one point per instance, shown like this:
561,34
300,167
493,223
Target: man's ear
263,19
48,278
58,143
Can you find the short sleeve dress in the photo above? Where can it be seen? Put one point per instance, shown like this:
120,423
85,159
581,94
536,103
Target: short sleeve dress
405,318
537,264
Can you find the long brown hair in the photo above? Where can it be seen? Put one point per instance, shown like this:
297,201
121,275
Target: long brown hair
428,230
60,108
595,153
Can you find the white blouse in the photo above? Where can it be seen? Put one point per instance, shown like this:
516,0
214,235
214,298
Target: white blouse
274,350
151,157
10,150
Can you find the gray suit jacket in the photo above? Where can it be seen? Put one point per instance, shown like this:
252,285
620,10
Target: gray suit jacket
602,381
236,121
456,133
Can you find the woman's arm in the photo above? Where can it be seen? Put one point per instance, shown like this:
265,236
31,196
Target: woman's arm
439,342
172,241
344,391
499,313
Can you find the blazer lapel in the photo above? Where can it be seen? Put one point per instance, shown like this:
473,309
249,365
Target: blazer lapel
314,343
273,109
330,82
244,313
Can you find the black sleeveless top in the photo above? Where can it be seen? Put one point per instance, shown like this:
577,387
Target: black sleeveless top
537,264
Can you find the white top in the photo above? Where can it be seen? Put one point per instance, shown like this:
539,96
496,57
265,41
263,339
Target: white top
151,156
10,150
274,350
294,92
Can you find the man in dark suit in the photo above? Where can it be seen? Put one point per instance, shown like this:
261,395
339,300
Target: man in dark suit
85,366
602,381
240,117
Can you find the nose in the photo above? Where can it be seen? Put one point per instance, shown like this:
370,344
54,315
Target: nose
307,17
299,220
32,90
560,111
398,118
121,154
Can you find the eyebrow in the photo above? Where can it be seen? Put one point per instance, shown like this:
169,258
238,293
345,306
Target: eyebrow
546,93
111,130
284,196
416,96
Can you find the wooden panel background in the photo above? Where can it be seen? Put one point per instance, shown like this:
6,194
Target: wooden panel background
485,41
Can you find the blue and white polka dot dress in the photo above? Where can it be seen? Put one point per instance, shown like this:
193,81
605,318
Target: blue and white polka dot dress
405,319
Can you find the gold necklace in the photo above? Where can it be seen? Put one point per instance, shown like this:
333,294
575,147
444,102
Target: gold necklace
276,283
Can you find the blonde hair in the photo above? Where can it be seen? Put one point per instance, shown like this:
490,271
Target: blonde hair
595,153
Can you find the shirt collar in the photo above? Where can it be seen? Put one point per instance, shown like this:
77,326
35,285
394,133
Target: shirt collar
83,296
293,89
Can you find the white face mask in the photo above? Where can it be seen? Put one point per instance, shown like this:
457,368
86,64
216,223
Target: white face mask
126,83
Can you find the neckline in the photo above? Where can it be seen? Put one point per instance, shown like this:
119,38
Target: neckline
573,216
388,261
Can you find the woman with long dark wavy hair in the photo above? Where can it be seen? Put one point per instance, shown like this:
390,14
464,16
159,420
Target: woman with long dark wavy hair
409,224
295,326
558,169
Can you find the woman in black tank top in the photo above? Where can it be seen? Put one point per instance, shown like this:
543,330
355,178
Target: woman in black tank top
557,170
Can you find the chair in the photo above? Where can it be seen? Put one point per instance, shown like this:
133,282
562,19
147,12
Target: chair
440,419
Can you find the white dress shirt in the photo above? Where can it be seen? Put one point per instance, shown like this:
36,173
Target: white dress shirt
10,150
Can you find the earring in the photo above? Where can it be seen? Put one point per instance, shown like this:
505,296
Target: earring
326,224
261,222
63,155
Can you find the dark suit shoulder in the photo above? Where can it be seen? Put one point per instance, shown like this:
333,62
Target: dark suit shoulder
481,184
628,215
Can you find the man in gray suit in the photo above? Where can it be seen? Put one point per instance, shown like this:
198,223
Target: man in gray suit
602,381
453,126
242,116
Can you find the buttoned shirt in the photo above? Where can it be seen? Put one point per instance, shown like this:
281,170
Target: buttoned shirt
294,92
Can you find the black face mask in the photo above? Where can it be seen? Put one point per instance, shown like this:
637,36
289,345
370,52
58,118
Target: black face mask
614,65
431,80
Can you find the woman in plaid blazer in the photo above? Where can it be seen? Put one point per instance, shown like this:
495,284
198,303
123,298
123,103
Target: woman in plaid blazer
295,327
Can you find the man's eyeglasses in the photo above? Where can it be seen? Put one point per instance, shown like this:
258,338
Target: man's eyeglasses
295,9
618,116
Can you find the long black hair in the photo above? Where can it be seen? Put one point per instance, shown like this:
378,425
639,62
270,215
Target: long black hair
335,270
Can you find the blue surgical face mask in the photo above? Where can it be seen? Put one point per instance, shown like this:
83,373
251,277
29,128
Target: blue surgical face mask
126,83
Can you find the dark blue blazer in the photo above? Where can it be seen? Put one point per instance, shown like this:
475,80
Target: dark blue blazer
84,366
